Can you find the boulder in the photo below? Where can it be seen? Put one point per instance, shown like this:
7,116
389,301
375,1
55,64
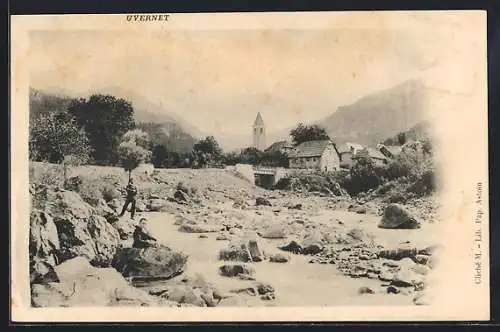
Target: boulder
262,201
223,236
255,252
155,205
295,207
234,301
185,295
140,206
180,219
81,231
116,205
365,290
406,278
105,211
43,239
125,228
279,258
208,292
274,232
397,217
422,259
199,228
92,237
82,285
312,243
181,196
358,234
293,247
152,263
63,203
398,253
42,272
391,289
234,270
242,251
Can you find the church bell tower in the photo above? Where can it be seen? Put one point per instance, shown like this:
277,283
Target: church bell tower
259,133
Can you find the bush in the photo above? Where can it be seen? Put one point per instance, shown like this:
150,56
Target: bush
424,184
46,174
363,177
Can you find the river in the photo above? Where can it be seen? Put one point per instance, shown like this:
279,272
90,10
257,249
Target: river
298,282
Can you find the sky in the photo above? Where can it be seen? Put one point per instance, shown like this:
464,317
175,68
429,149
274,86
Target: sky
219,80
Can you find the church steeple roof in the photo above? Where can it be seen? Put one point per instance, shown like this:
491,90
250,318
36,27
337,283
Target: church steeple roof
258,120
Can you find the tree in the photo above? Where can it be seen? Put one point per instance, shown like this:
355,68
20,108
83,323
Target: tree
304,133
105,119
207,151
159,156
251,155
133,150
56,138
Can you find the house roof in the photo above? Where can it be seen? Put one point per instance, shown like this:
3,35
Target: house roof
277,146
258,120
395,150
369,153
310,149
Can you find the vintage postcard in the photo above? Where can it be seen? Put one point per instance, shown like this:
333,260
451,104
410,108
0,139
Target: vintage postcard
319,166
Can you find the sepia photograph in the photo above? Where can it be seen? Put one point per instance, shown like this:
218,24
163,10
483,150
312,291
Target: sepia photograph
186,161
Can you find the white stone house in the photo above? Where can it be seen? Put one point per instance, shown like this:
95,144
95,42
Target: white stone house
315,155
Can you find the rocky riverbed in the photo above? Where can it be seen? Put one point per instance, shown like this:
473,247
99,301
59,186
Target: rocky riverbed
224,242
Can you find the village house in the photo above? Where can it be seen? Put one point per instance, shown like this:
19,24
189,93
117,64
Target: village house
370,154
315,155
346,153
281,146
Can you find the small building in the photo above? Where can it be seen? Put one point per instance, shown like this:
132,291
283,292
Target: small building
315,155
281,146
370,154
346,153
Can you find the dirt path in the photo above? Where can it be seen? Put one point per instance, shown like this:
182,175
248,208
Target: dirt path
297,283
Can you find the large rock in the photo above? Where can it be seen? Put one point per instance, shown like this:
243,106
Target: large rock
274,232
185,295
312,243
151,263
106,240
397,217
82,285
234,270
125,228
42,272
279,258
140,206
155,205
262,201
181,196
81,231
199,228
44,239
93,238
116,205
243,251
293,247
105,211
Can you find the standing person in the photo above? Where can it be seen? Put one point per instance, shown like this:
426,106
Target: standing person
131,194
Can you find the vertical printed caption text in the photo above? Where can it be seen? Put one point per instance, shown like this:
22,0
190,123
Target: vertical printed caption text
477,248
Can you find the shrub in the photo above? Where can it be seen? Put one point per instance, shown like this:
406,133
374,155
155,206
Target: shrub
363,177
46,174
